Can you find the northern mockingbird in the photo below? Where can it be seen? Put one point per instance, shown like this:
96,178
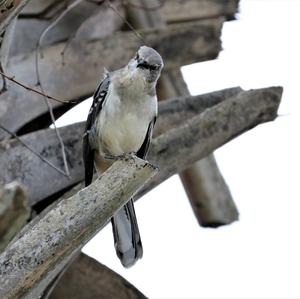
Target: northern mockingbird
121,121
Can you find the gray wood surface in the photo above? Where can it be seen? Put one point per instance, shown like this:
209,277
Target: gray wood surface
187,10
31,262
229,114
178,44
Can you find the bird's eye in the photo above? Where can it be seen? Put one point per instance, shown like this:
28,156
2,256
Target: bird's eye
137,56
153,67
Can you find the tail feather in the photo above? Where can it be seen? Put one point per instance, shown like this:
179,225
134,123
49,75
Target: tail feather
126,235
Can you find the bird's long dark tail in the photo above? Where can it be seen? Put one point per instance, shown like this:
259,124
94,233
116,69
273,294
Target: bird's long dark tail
126,235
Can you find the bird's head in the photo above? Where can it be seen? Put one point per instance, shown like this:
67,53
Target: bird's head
149,62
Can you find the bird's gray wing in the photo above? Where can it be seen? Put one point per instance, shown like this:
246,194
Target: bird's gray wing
143,150
90,130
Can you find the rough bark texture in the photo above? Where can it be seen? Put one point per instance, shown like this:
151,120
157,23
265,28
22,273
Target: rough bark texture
59,234
187,10
14,212
30,263
182,146
86,278
21,165
179,44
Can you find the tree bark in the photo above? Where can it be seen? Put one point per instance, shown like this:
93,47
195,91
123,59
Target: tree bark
21,165
30,263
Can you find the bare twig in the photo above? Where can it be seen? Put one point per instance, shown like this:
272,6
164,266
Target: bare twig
54,23
125,21
50,109
33,90
116,12
32,150
63,150
38,51
4,85
72,36
67,44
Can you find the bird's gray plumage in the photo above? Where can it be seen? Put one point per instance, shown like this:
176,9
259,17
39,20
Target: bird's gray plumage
121,120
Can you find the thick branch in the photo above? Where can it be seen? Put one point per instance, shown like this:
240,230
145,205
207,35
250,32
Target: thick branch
173,151
86,278
21,165
180,147
31,262
209,195
179,45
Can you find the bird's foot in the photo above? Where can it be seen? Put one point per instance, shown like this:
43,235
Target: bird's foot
124,157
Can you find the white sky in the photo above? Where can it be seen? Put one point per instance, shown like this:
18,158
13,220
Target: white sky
259,256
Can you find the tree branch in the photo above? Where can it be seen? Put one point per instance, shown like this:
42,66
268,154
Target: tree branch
31,262
173,114
13,79
181,146
179,45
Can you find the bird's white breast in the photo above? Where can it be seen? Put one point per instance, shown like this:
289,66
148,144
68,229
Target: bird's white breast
124,119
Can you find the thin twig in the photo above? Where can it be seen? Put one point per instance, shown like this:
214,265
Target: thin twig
50,109
125,21
38,51
34,90
32,150
54,23
4,84
68,42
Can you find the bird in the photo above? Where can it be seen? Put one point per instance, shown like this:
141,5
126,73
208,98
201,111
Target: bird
121,121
